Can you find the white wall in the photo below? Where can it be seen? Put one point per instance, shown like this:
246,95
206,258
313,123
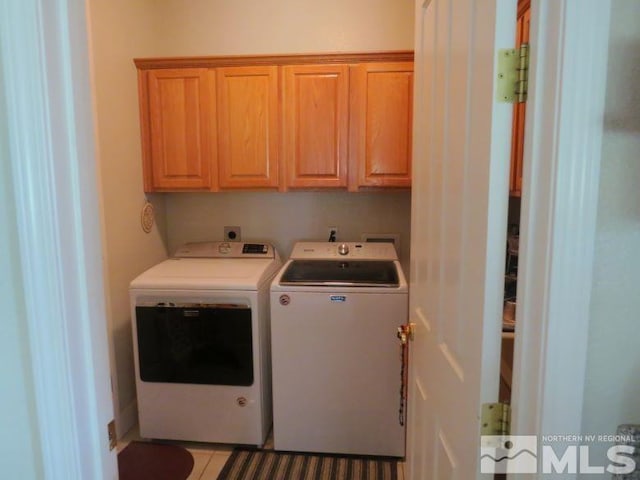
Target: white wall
612,390
284,218
121,30
20,455
224,27
219,27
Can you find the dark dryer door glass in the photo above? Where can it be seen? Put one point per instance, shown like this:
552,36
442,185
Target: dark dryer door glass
208,345
359,273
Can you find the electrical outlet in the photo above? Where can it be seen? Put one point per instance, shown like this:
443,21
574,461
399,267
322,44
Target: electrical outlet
232,234
332,231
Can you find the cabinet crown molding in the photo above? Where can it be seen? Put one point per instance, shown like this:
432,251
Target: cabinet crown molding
278,60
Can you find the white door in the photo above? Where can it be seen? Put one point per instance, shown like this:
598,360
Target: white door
459,221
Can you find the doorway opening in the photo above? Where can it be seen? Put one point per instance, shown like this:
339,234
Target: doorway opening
513,222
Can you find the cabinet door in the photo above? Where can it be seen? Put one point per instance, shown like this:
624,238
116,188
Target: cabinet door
179,131
381,125
519,114
248,127
315,113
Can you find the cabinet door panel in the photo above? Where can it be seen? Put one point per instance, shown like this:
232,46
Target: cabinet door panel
182,137
316,125
381,124
248,127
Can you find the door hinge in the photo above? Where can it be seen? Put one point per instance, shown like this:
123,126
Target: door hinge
111,433
495,419
512,83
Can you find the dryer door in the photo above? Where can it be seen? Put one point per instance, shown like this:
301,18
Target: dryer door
201,344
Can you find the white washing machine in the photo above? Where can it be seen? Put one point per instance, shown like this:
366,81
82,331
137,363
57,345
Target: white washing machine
201,343
338,366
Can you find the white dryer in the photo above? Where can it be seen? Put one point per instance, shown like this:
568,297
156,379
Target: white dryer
201,339
338,367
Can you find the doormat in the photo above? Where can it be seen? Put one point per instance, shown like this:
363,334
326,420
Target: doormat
152,461
255,464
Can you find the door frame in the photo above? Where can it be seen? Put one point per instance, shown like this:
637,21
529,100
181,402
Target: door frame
45,68
563,136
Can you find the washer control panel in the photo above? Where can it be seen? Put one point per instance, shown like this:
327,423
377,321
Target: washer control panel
344,250
225,250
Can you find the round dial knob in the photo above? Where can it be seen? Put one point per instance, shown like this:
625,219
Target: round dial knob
343,249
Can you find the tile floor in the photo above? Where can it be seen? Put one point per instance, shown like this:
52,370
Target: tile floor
209,458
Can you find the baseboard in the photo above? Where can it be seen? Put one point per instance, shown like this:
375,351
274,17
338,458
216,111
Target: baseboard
128,419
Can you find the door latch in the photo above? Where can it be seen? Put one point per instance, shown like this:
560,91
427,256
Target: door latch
405,333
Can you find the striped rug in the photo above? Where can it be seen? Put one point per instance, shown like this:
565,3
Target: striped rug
254,464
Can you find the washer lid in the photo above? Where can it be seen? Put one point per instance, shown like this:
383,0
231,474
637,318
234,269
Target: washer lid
351,273
207,274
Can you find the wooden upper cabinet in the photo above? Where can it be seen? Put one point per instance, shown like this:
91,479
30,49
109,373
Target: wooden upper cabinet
315,124
519,109
248,127
381,125
338,120
178,129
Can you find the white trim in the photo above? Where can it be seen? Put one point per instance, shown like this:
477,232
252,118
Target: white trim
128,418
121,424
569,41
45,64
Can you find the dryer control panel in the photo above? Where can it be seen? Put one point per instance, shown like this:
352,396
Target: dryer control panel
225,250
